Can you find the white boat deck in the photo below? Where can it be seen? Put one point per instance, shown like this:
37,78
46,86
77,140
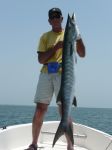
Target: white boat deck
48,146
19,137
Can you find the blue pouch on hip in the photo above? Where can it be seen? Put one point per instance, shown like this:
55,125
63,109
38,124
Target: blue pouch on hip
53,67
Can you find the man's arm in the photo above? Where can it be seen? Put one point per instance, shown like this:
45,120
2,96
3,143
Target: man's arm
80,47
43,57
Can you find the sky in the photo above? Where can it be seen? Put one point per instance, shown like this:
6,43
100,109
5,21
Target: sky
22,23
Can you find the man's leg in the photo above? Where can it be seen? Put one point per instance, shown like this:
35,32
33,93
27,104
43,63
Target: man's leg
42,98
37,123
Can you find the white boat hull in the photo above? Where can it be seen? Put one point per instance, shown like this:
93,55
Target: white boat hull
18,137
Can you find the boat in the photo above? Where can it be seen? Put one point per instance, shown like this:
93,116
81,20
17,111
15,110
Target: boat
18,137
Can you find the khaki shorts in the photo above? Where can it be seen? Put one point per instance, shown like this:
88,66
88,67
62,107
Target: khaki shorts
48,85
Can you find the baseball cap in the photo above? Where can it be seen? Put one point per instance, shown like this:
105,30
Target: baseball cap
54,13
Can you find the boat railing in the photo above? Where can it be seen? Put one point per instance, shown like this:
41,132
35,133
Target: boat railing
75,135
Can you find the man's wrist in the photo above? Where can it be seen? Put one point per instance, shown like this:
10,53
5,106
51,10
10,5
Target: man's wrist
79,37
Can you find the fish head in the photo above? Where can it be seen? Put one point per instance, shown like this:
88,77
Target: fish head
71,28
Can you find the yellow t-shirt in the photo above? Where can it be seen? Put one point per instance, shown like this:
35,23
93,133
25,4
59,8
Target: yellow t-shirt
47,41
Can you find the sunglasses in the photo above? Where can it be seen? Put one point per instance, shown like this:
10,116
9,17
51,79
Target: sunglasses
55,16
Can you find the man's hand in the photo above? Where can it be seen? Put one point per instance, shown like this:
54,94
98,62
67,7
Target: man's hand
58,46
80,48
44,56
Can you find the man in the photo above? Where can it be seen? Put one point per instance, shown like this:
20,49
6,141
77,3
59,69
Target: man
50,55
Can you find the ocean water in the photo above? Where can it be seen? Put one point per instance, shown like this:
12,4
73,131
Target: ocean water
99,118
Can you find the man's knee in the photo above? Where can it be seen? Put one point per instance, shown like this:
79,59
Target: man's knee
41,107
40,111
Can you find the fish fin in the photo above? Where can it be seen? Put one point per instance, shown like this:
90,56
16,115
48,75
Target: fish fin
59,133
58,97
63,130
74,101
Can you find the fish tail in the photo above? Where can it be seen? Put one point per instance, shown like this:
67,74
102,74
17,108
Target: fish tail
64,130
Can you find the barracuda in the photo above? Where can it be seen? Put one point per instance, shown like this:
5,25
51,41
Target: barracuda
66,93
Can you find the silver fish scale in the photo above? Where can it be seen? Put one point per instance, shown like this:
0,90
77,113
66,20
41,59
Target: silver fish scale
68,73
67,83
